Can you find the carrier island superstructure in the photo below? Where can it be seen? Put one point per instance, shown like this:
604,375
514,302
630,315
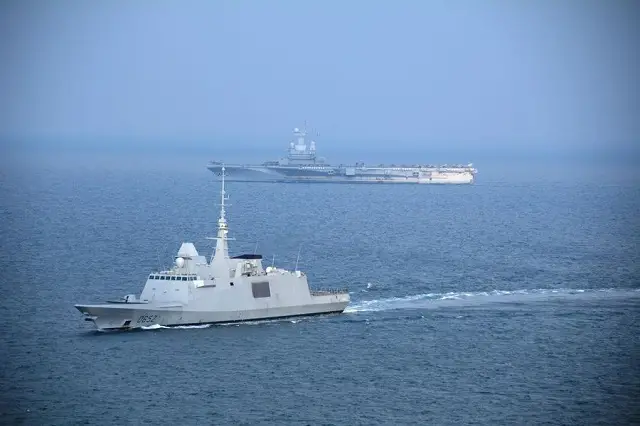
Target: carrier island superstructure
222,290
303,165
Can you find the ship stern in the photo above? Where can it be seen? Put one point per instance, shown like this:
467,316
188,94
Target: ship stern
331,301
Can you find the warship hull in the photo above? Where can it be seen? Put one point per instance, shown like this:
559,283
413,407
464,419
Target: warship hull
225,289
242,173
303,165
247,173
126,316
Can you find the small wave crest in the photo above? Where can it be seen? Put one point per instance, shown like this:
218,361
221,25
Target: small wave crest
262,322
179,327
435,300
152,327
370,286
227,324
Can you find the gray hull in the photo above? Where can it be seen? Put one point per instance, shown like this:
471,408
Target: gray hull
329,174
123,316
247,173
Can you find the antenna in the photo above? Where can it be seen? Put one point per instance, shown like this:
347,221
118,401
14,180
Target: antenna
163,266
221,249
255,249
298,258
159,265
273,260
222,194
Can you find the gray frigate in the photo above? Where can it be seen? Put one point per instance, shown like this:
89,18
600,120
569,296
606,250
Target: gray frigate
223,290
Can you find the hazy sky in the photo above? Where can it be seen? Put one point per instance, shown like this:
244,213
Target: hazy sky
483,74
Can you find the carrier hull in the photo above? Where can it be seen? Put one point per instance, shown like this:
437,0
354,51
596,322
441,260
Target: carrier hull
302,165
328,174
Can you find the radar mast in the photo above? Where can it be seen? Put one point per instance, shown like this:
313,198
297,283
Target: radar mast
222,247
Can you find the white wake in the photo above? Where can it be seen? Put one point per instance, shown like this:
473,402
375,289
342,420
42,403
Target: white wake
436,300
228,324
186,327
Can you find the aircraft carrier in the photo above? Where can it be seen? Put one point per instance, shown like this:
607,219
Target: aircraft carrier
303,165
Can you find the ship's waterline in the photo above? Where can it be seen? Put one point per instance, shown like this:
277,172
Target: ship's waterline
130,318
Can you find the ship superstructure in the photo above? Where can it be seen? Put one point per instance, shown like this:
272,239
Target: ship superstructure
303,165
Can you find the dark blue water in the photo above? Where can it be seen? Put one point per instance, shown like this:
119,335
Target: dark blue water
513,301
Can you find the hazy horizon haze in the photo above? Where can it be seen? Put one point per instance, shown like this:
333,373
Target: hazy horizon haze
540,78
